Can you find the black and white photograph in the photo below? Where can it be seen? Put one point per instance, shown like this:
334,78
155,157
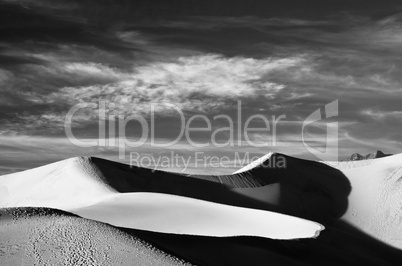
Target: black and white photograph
200,132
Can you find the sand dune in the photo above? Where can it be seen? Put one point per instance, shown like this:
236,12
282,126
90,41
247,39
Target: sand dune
181,215
67,183
76,183
373,155
364,194
38,236
375,201
304,188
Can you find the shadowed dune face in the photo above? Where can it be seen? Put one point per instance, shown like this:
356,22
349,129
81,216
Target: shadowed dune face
302,188
375,202
307,189
124,178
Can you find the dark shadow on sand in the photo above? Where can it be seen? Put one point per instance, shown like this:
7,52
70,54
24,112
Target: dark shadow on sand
308,189
337,245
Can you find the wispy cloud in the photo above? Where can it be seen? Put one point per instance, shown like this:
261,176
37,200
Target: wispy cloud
54,5
216,23
378,114
191,83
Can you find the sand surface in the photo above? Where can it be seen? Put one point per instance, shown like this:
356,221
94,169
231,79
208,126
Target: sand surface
38,236
375,201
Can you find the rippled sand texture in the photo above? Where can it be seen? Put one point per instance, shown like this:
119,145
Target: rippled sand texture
38,236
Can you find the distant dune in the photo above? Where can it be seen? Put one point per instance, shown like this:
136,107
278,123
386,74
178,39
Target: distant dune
373,155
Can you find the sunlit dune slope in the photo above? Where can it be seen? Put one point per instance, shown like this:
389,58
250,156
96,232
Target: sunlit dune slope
181,215
67,183
375,201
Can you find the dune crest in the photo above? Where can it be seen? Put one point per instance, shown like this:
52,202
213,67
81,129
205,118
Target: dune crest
68,183
255,163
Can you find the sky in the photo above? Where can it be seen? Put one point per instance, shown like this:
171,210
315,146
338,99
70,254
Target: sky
205,58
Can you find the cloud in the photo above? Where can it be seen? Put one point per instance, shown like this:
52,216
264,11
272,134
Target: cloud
5,76
202,83
377,114
216,23
215,75
54,4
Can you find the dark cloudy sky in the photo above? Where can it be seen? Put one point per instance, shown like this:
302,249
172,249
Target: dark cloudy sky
282,57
